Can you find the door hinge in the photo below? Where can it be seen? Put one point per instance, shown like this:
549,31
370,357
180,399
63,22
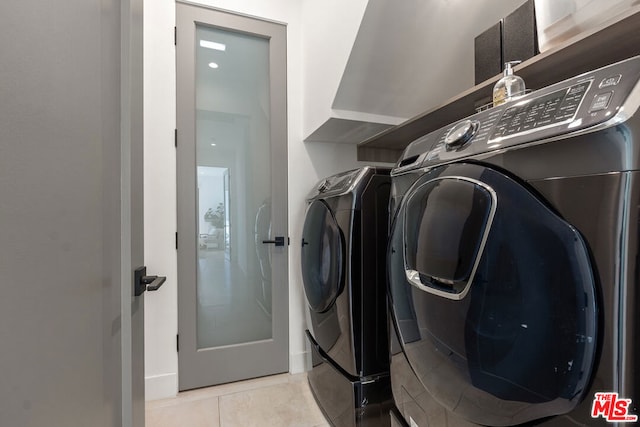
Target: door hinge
175,137
175,36
176,240
178,343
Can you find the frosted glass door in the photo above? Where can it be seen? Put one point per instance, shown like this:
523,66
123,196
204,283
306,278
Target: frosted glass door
231,168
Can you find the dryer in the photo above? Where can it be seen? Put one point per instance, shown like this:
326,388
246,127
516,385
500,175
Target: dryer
513,261
344,273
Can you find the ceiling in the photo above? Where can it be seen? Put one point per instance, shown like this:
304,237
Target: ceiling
409,56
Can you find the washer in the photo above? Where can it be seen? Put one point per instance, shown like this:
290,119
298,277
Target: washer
513,261
344,273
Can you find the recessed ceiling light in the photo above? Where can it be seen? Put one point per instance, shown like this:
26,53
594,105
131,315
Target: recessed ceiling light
213,65
213,45
213,145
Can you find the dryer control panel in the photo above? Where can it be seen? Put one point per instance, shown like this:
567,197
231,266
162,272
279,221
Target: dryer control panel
604,97
344,182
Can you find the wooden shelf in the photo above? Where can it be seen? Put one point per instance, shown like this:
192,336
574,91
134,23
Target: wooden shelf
609,43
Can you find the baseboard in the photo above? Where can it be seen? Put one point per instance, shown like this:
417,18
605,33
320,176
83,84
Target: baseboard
299,362
166,385
161,386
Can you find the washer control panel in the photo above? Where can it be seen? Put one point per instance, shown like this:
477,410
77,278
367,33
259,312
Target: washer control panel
575,104
542,112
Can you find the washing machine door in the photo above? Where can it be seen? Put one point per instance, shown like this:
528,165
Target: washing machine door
493,297
322,257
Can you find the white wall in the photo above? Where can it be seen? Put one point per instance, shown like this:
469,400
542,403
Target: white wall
161,309
307,164
329,31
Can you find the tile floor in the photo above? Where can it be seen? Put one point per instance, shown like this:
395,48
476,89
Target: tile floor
279,401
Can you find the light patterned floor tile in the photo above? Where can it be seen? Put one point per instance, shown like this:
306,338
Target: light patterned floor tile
290,405
279,400
237,387
196,413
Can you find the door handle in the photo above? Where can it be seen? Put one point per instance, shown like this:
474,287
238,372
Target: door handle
142,282
278,241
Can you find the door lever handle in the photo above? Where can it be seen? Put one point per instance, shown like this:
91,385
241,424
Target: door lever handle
278,241
153,282
142,282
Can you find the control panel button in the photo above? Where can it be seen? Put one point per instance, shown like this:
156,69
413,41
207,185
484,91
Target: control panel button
460,134
323,186
600,101
610,81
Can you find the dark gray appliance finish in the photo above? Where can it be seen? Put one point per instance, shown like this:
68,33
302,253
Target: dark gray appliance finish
538,309
346,400
344,274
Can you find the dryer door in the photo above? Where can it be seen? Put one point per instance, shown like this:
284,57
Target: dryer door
493,297
322,257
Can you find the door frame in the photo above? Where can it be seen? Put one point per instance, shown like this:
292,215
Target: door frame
132,210
196,367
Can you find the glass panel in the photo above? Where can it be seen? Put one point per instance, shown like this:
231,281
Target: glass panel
234,184
445,223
